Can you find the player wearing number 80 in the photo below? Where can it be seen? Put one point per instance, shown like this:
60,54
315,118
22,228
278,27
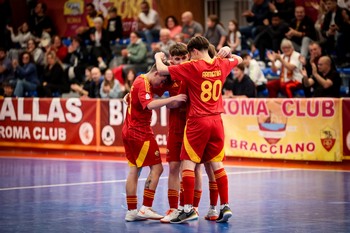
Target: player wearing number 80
204,133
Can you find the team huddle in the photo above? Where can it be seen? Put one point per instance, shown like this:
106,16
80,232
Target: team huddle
196,133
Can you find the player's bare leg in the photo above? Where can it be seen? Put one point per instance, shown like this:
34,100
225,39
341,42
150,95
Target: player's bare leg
212,214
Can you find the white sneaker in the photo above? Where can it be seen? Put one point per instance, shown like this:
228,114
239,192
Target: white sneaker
170,214
148,213
212,214
131,216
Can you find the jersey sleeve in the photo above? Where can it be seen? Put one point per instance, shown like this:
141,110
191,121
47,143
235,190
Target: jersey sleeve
145,94
181,72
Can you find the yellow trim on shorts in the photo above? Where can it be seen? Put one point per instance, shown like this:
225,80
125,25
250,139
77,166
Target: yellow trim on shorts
143,153
219,157
191,153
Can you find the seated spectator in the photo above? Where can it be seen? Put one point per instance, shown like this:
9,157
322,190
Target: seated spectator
253,70
148,23
7,90
172,24
270,37
289,67
285,8
215,33
179,38
59,48
82,88
26,74
36,52
165,42
190,27
325,80
110,87
55,82
95,85
23,35
301,31
114,25
77,60
100,52
336,30
242,85
129,80
6,72
234,37
136,51
258,16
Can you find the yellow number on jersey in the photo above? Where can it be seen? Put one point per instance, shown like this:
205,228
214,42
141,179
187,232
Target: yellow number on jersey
211,90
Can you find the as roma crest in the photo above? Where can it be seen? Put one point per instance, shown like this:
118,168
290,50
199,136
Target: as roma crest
328,138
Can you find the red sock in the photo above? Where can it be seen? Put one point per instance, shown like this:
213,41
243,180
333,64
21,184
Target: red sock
214,193
188,184
181,194
222,183
197,197
173,198
148,197
132,202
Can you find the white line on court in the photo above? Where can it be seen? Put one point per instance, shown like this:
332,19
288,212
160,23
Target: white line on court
121,181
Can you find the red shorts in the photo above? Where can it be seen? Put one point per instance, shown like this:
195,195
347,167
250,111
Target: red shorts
142,153
174,145
204,140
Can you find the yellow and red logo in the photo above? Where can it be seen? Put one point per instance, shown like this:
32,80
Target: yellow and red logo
328,138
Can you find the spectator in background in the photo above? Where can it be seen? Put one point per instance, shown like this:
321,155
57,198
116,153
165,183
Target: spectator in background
165,42
258,16
26,74
114,25
82,88
148,23
136,51
58,48
40,22
253,70
6,72
336,30
7,90
77,60
285,8
95,85
234,37
270,37
129,80
110,87
301,31
100,52
36,52
172,24
215,33
289,66
179,38
190,28
55,82
23,35
325,80
242,85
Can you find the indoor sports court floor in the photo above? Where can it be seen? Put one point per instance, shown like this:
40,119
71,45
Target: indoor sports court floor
46,194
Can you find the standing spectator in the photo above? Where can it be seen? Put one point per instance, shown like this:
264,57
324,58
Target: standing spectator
55,82
325,80
289,66
40,21
100,52
95,85
190,28
234,36
215,33
257,16
26,74
242,85
110,87
172,24
253,70
59,48
136,52
301,31
148,23
285,8
165,42
114,25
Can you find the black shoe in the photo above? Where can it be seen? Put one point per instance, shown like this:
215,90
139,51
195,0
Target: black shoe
224,215
183,216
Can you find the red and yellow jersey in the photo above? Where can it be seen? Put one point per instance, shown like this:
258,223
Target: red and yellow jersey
204,83
138,116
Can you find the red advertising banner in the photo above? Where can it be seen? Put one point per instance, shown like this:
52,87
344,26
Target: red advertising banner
346,126
71,124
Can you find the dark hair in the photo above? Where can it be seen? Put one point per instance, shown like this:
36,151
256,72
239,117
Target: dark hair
244,54
3,49
146,3
171,17
178,49
43,6
112,9
31,60
214,18
199,42
274,15
91,5
77,39
212,51
240,66
136,33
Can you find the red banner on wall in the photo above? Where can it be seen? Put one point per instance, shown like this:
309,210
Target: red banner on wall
346,126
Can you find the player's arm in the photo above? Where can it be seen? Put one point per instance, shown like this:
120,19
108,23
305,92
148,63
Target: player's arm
161,67
234,56
157,103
